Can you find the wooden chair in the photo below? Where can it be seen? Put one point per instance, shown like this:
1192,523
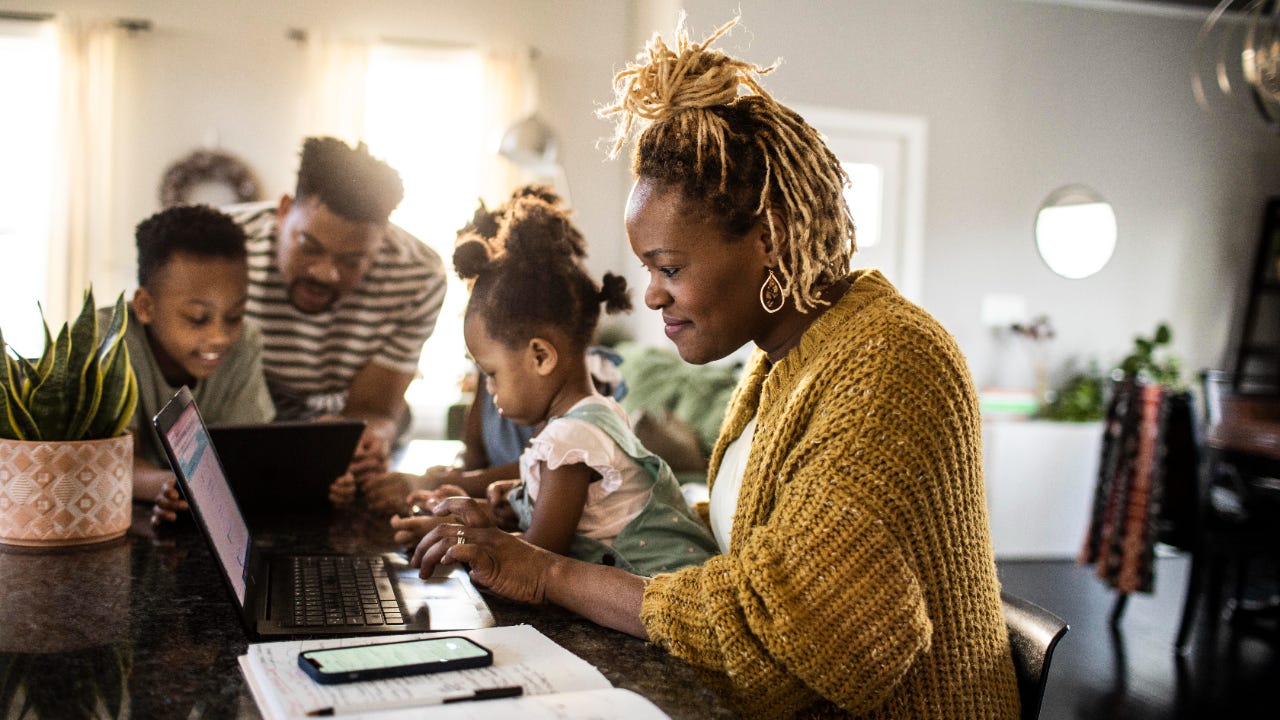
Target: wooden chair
1033,634
1239,517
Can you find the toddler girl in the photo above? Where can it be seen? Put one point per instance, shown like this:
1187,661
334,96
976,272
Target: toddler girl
587,488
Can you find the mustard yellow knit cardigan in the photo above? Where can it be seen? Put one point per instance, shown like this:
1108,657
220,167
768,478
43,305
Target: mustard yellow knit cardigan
860,580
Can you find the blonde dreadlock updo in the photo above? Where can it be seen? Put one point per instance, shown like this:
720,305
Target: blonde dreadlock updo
708,127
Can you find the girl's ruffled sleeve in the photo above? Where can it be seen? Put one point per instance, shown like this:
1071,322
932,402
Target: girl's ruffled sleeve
569,441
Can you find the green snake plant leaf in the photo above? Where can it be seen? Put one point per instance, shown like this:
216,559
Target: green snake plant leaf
53,395
42,369
130,397
83,370
30,378
119,390
26,374
115,331
15,421
12,373
90,399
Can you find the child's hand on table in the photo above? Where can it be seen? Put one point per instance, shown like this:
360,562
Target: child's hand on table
343,491
168,503
410,529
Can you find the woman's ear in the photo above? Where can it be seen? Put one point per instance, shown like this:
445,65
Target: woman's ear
772,237
144,305
543,355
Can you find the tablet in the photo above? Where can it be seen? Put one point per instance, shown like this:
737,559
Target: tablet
285,467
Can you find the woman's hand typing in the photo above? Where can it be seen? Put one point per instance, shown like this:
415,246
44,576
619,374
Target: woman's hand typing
497,560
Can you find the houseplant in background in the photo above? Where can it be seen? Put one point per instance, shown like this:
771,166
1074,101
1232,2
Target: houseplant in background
1150,361
1082,397
65,459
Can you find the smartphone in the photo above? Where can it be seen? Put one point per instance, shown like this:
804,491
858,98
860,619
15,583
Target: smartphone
393,659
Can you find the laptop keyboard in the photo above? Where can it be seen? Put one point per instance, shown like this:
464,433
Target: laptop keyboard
342,590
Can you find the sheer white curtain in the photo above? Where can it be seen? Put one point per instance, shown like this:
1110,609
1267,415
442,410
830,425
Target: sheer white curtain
337,69
27,142
340,93
81,247
511,93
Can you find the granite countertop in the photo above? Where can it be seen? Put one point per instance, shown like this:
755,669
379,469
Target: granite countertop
143,627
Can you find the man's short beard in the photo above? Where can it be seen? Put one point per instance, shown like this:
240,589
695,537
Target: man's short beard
293,287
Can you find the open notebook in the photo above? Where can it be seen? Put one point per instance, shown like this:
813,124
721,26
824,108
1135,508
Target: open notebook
556,683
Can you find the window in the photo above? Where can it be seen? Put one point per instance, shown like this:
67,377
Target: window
27,134
865,196
421,111
884,157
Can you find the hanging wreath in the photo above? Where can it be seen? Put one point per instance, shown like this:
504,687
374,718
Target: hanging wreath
208,166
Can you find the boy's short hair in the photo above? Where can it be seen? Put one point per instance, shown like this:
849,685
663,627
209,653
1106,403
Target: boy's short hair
349,181
194,229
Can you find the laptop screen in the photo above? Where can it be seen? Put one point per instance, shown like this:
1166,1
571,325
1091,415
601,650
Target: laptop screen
209,491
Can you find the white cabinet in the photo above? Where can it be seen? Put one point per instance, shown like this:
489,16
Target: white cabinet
1040,481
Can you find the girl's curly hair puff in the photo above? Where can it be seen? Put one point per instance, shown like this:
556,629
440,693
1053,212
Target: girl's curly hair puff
530,277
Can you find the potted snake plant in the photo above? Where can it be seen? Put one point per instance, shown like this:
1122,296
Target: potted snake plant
66,459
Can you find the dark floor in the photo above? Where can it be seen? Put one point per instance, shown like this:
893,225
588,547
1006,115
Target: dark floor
1135,674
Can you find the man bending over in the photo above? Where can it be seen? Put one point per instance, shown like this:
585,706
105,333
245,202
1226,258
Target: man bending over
345,299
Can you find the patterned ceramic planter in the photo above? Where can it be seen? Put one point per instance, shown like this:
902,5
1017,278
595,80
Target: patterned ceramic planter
65,492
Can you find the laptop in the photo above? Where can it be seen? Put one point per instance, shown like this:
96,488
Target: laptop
273,592
285,466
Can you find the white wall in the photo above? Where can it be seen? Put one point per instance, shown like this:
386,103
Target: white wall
1019,98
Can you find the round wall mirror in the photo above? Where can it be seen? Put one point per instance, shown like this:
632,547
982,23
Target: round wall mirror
1075,231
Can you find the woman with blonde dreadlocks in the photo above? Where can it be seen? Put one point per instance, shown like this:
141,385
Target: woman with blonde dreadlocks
857,577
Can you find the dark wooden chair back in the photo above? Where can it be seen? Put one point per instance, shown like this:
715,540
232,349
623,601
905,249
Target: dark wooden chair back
1033,634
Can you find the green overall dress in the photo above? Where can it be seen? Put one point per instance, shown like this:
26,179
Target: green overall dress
664,537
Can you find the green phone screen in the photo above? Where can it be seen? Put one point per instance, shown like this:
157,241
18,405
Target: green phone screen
395,654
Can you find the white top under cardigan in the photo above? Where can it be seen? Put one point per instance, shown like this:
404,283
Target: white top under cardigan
724,492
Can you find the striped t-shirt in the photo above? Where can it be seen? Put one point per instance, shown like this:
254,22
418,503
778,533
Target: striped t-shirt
310,360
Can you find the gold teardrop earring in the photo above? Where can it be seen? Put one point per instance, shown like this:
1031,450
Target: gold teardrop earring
772,296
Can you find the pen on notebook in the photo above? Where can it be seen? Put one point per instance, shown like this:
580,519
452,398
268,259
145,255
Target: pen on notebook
481,694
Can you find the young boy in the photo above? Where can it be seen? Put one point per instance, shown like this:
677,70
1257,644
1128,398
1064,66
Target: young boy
187,327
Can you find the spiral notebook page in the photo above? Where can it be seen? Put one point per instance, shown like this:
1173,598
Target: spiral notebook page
553,680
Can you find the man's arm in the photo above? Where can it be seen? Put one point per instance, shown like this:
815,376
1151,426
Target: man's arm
377,397
376,393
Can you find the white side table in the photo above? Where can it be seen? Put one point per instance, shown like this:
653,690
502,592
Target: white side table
1040,478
